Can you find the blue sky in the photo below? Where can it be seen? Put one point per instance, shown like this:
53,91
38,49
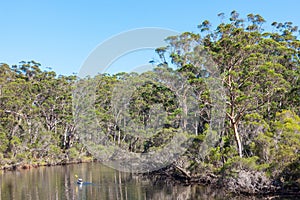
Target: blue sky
61,33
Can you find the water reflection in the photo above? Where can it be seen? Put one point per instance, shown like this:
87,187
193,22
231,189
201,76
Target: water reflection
59,182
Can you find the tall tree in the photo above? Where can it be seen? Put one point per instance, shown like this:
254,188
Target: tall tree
253,64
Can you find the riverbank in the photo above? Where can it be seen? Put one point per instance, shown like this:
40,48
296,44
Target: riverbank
246,183
29,165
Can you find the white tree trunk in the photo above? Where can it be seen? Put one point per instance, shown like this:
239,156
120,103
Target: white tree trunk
238,139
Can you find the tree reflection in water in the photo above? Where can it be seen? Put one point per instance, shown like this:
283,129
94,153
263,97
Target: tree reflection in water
59,182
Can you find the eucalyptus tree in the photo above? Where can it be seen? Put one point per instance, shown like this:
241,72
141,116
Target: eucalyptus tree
18,113
36,113
257,68
189,60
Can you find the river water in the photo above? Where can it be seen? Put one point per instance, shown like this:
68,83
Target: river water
59,182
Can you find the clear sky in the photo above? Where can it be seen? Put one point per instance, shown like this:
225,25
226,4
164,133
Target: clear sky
61,33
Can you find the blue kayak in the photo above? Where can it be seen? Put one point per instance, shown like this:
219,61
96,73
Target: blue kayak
80,182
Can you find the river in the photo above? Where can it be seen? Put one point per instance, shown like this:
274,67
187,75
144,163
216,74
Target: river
59,182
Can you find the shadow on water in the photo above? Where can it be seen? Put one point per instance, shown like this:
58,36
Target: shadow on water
59,182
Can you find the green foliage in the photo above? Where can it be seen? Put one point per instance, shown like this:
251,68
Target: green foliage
3,142
215,156
160,139
35,113
287,134
54,150
236,164
73,153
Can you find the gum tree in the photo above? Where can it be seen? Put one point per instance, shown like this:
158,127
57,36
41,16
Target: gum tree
254,66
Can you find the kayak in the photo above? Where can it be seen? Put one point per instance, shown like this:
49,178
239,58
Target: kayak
80,182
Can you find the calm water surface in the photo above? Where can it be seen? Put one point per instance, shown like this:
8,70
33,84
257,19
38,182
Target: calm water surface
59,182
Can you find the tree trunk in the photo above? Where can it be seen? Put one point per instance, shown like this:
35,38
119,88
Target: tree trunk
238,139
119,137
185,114
65,138
196,127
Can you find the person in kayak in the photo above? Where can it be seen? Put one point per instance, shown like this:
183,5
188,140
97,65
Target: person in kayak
79,181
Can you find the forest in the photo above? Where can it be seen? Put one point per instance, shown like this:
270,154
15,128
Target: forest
258,145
